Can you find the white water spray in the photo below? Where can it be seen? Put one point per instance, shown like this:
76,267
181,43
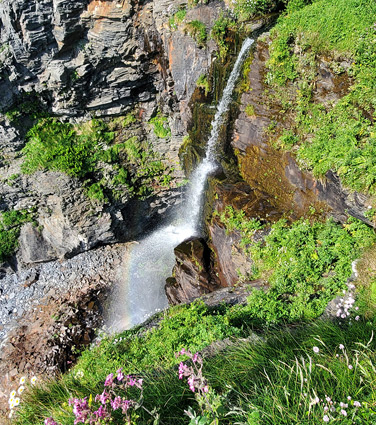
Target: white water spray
151,260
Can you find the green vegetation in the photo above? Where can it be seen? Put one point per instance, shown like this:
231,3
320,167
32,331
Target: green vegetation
161,128
305,264
54,145
250,110
177,18
197,30
275,379
87,151
10,226
220,32
203,83
340,135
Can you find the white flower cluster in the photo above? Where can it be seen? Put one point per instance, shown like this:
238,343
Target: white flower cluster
14,399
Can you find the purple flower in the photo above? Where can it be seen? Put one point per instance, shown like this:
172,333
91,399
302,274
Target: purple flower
325,418
357,404
102,397
80,409
120,375
341,346
194,358
350,366
182,368
116,403
101,412
343,412
126,404
191,381
316,349
109,380
205,389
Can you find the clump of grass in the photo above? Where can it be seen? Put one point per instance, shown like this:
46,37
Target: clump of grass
161,128
197,30
10,227
250,110
203,83
177,18
220,32
305,264
91,153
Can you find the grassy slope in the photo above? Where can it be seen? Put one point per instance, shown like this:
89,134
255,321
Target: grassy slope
339,136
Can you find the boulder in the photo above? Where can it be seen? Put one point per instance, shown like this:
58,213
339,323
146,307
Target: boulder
191,273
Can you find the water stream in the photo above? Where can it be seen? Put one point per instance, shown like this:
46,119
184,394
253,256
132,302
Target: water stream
150,261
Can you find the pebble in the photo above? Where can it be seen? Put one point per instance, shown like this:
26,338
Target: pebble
54,278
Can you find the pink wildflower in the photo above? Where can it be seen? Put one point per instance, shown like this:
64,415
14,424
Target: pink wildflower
357,404
109,380
191,381
102,397
116,403
126,404
325,418
50,421
120,375
343,412
316,349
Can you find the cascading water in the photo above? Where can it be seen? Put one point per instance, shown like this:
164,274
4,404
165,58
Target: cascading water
151,260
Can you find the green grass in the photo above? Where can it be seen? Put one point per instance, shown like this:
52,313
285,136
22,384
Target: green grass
220,32
273,380
177,18
305,264
203,83
10,226
85,151
161,128
197,30
339,136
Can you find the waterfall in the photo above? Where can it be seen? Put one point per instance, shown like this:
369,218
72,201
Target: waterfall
151,260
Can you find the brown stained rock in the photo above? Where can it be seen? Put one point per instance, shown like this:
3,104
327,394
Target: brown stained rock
191,274
274,175
47,341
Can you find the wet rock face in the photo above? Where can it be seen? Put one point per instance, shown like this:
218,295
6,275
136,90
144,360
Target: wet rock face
83,55
191,274
274,173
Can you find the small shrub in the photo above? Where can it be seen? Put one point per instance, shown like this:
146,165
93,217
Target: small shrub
161,128
10,226
197,30
203,83
220,32
177,18
250,110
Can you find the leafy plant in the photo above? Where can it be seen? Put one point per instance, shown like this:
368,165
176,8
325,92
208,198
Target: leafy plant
197,30
177,18
161,128
10,226
219,33
203,83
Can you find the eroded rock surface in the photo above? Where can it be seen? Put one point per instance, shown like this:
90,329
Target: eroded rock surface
191,274
275,173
